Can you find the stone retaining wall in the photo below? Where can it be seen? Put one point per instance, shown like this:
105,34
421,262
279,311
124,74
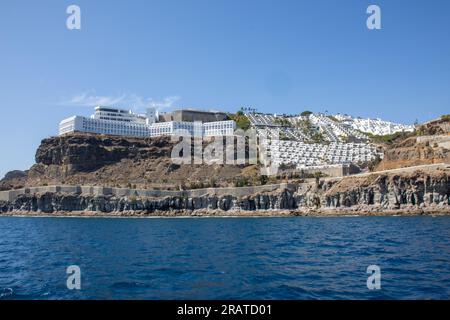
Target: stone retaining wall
123,192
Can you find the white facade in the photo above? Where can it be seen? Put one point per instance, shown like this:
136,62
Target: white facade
315,154
374,126
219,128
70,125
83,124
152,115
112,114
126,123
338,128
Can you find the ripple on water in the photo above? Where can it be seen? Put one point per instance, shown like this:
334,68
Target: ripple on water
291,258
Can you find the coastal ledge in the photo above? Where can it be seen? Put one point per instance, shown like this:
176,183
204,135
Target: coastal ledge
12,195
205,213
283,202
416,192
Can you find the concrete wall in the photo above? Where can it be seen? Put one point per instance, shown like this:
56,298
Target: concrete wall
193,115
123,192
439,138
332,170
238,192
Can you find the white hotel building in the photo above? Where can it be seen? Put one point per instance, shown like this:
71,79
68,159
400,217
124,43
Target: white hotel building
120,122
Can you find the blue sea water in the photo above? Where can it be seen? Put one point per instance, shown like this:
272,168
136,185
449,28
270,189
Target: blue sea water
225,258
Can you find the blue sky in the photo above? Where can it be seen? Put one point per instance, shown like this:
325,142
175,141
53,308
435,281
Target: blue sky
277,56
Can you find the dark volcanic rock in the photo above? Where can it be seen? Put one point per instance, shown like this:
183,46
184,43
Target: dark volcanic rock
85,153
369,194
390,191
13,180
15,174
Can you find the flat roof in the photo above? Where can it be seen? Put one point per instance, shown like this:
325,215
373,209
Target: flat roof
196,110
100,108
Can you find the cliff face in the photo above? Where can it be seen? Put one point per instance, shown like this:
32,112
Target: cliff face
428,145
413,153
83,159
13,179
51,202
145,163
375,193
390,191
85,153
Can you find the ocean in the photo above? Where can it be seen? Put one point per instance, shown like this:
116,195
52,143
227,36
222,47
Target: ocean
225,258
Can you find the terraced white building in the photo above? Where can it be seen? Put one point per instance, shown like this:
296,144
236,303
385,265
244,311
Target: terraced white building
293,127
305,155
294,140
373,126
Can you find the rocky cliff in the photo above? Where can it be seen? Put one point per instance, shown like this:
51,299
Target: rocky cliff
412,152
418,148
391,191
417,192
13,179
85,159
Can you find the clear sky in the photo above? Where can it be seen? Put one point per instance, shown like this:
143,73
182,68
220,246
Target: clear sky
277,56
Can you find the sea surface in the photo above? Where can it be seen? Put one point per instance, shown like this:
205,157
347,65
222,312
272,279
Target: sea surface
225,258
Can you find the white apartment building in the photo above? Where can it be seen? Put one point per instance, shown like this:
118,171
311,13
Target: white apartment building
306,155
120,122
374,126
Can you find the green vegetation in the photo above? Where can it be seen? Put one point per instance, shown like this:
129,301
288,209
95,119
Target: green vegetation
344,139
283,136
421,131
318,174
374,163
318,137
285,166
241,182
305,113
445,117
197,185
305,126
212,183
389,138
263,180
241,120
333,118
283,122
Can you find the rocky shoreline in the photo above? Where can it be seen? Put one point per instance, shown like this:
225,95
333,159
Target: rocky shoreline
434,212
413,193
281,204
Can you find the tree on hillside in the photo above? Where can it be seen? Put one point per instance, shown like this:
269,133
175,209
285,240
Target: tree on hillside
241,120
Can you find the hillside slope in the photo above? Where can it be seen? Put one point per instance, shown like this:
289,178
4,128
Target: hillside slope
83,159
430,144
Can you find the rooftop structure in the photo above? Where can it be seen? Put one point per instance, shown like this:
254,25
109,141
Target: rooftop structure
104,113
113,121
192,115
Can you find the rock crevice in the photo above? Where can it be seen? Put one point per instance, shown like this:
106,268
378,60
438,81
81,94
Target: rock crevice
378,192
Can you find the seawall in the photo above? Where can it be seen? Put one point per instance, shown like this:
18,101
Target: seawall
12,195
